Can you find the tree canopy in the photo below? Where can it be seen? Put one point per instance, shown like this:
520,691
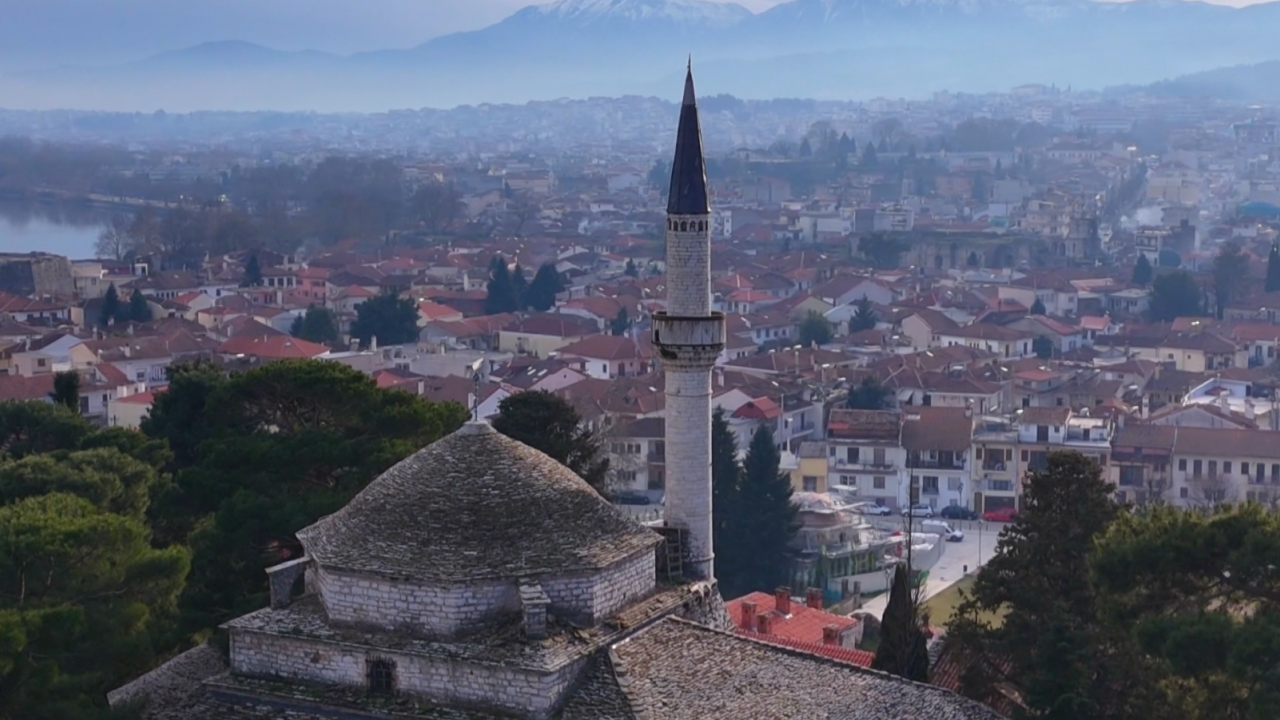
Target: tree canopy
1230,267
317,325
752,508
815,329
541,295
1037,307
139,310
869,394
546,422
391,319
1174,295
66,390
903,649
1142,270
864,315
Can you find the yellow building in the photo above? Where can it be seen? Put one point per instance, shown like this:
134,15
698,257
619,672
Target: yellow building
810,474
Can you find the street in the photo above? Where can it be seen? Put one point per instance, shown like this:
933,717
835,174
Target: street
956,557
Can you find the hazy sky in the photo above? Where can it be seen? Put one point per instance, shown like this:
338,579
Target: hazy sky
72,32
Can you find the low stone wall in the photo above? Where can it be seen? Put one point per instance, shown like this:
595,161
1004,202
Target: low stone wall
438,680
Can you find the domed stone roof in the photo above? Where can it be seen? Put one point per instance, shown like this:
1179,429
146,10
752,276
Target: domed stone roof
475,505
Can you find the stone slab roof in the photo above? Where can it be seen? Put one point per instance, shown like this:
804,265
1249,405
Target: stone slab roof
677,670
476,505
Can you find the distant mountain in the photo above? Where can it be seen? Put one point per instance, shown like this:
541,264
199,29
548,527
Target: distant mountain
1258,82
837,49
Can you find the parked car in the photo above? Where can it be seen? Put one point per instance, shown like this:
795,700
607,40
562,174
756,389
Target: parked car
940,527
873,509
958,512
632,498
1005,514
920,510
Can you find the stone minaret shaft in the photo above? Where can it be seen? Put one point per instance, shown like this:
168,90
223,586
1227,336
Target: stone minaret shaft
689,338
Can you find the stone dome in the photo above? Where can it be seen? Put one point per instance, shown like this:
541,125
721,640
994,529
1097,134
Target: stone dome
475,505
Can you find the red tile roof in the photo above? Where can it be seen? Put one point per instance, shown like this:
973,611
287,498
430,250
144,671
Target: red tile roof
803,625
273,347
853,656
603,347
21,387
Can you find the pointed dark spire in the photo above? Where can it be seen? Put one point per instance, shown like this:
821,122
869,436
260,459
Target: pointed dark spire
688,172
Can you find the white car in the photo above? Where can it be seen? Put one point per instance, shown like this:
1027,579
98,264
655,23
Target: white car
920,510
872,509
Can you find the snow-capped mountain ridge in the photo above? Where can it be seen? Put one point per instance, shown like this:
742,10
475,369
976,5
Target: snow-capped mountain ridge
680,12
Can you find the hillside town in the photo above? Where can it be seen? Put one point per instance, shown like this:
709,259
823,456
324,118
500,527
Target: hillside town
921,318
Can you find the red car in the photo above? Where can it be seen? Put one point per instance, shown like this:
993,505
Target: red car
1005,514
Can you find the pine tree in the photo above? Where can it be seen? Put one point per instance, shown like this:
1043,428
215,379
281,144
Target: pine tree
252,273
541,295
66,390
731,563
139,310
501,290
1037,307
632,270
903,650
864,316
1273,269
1142,271
764,522
869,159
620,324
519,287
110,306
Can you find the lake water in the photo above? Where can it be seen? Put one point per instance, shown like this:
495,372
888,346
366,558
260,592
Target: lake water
53,229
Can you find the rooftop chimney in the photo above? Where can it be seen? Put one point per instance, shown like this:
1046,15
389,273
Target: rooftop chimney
831,635
782,600
749,616
534,603
813,598
764,624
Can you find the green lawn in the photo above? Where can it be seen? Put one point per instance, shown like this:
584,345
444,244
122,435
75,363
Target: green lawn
942,607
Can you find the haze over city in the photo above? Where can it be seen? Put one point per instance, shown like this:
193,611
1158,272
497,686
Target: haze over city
639,360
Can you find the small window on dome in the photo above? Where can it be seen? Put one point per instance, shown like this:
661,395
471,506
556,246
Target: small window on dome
382,676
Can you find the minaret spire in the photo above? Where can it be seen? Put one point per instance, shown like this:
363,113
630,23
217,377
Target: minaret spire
688,193
689,337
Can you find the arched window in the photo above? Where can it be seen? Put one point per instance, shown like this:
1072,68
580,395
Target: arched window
684,226
382,676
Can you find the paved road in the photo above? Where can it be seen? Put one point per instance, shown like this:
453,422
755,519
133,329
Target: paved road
955,558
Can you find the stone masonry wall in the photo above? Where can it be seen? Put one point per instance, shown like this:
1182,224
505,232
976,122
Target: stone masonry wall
376,602
440,680
599,595
689,270
688,442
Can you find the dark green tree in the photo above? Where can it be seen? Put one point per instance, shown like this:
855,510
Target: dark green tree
252,273
980,191
82,593
903,649
864,316
1037,307
1174,295
391,319
542,292
869,394
1049,648
815,329
1142,271
1043,347
177,416
764,522
731,564
869,159
276,448
66,390
1198,591
139,309
632,270
1230,268
317,325
29,428
501,291
620,324
1273,269
548,423
111,308
110,479
519,287
973,260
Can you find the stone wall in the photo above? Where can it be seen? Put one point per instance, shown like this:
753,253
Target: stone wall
597,596
432,611
440,680
688,503
689,269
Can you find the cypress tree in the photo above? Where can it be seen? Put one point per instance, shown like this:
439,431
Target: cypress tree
139,310
726,487
1273,269
519,288
1142,271
110,306
541,294
500,288
766,517
903,650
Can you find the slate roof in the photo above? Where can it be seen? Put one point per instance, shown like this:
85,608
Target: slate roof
688,191
677,670
446,513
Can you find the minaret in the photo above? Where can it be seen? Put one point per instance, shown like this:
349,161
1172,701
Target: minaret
689,338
